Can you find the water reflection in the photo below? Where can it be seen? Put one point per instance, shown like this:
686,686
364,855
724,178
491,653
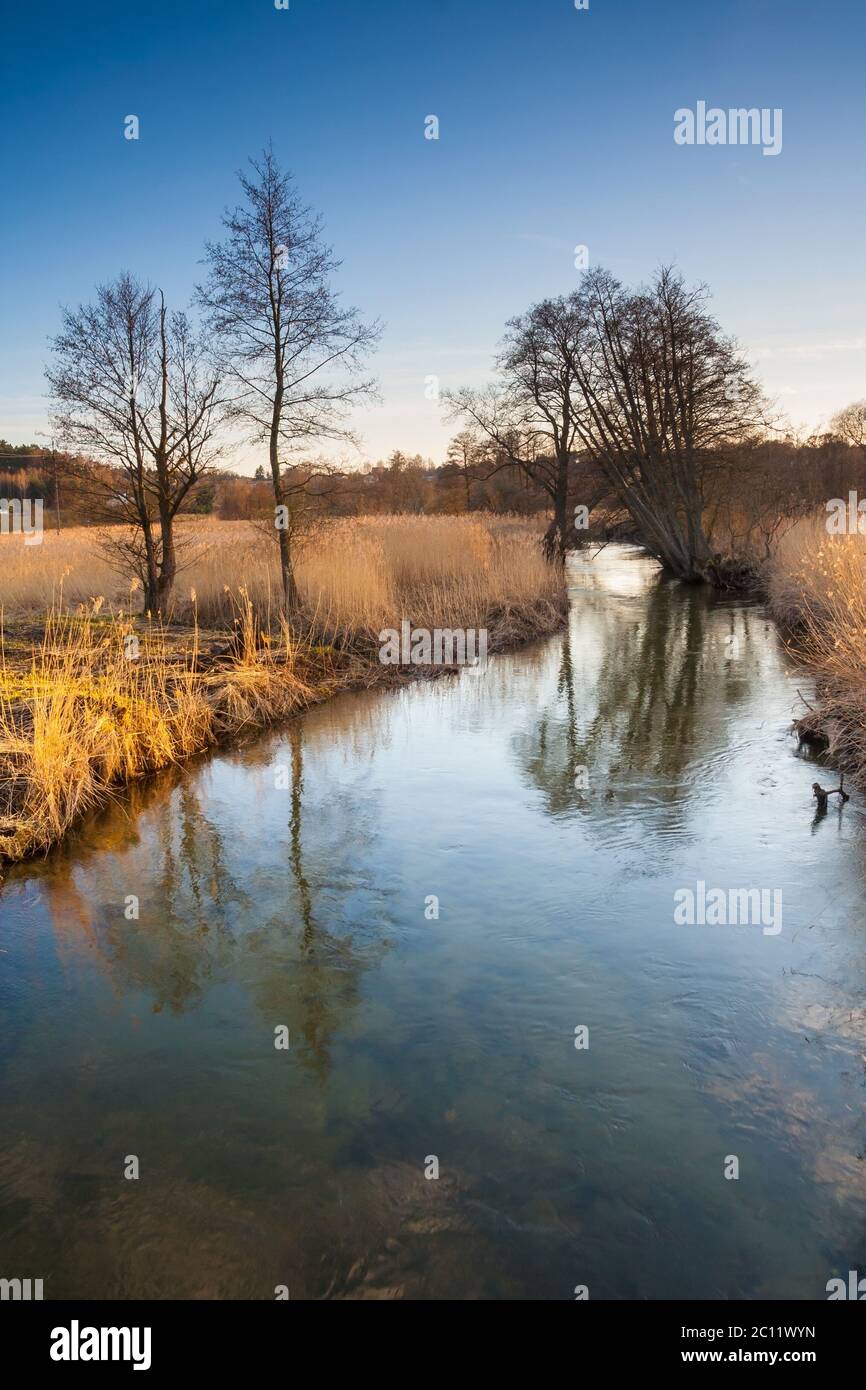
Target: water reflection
151,896
286,883
646,704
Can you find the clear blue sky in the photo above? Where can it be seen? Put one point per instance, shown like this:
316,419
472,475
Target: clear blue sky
556,128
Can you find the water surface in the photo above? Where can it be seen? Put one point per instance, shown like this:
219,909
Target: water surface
289,884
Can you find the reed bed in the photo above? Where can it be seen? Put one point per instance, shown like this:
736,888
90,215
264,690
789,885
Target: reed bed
355,573
91,712
93,695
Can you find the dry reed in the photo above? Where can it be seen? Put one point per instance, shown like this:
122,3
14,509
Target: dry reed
817,589
104,696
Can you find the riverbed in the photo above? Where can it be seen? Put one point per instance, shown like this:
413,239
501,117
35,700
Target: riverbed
392,1003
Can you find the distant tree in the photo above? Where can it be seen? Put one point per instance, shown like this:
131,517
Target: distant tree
405,483
244,499
260,474
282,332
19,449
201,500
134,389
850,424
464,451
529,417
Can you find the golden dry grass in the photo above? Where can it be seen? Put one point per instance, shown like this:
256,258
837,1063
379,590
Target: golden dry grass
354,573
86,715
817,588
79,715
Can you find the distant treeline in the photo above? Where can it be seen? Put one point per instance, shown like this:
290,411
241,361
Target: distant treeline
782,476
23,475
401,484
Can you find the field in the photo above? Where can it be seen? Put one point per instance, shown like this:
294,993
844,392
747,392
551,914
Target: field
92,695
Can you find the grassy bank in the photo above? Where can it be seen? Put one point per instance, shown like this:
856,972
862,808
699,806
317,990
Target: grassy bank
816,585
93,696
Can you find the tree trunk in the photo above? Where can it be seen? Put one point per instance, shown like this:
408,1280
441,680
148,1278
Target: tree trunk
556,537
287,572
560,511
290,588
151,577
167,562
550,541
164,587
167,558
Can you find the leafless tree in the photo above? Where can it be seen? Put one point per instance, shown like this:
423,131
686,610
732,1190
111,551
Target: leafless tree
137,396
530,416
282,332
637,393
850,424
464,453
666,399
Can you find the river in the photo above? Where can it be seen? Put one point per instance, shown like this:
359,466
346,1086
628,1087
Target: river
426,892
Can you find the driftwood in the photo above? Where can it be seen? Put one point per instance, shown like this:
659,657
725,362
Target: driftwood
822,793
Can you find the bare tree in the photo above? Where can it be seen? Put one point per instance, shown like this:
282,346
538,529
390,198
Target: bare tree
464,452
137,396
530,418
282,331
666,400
850,424
636,394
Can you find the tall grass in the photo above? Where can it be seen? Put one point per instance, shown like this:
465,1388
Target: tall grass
817,589
357,571
106,696
90,713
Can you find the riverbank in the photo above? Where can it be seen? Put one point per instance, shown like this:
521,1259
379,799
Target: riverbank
816,591
90,700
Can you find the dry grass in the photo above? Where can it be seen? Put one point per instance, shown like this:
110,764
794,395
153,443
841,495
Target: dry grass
87,716
357,575
817,589
79,715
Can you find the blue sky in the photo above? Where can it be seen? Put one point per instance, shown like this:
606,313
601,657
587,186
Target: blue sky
556,129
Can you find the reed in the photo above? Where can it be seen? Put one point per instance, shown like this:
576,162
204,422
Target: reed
104,696
817,590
